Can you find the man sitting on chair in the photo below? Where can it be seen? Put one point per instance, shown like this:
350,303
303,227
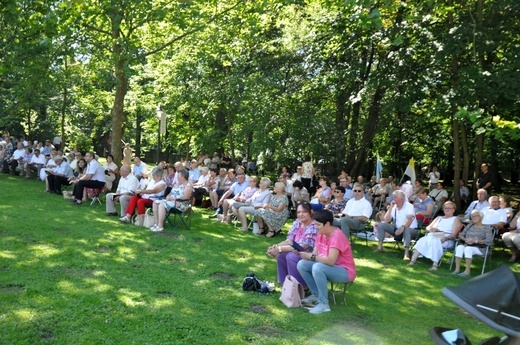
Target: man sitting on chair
439,195
494,216
59,175
402,214
479,204
93,178
356,213
125,190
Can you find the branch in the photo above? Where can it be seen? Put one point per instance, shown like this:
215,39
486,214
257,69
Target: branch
88,26
187,33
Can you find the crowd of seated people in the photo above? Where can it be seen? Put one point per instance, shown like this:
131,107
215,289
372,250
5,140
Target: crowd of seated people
232,192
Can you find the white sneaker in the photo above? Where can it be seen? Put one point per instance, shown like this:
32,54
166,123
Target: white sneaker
124,219
153,227
156,229
320,308
311,300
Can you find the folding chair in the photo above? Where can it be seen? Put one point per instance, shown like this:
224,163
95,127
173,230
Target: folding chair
486,256
179,218
95,193
343,291
431,217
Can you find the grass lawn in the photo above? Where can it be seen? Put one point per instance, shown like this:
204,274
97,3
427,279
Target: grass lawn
71,275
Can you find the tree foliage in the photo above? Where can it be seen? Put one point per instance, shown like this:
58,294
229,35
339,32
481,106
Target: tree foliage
273,80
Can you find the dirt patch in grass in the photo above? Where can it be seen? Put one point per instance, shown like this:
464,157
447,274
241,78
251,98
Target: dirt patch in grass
197,240
3,232
222,275
46,334
258,309
150,249
104,249
11,288
176,260
164,293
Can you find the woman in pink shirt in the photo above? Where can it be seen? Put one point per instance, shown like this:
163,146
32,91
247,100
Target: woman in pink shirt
331,260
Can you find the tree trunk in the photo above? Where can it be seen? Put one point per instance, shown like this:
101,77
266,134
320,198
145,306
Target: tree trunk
456,159
478,161
369,130
117,111
341,110
466,161
64,109
138,131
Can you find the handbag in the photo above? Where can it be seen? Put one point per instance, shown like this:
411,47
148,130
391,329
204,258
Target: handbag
149,219
256,228
292,292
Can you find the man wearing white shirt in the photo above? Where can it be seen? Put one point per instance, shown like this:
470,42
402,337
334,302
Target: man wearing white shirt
37,162
59,175
356,212
407,189
93,178
494,215
140,169
235,189
125,190
16,157
402,214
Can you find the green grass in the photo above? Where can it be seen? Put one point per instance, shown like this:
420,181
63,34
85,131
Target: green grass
71,275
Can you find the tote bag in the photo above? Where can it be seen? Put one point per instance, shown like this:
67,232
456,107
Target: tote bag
292,292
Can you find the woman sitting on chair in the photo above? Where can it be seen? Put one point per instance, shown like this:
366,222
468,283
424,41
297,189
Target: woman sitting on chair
304,233
512,238
179,198
475,236
274,213
261,197
111,170
323,194
441,235
330,260
145,197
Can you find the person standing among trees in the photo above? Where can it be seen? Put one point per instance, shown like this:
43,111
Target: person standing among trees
485,179
433,177
225,162
308,172
127,155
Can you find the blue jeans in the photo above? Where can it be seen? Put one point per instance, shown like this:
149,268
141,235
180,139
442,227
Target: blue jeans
317,275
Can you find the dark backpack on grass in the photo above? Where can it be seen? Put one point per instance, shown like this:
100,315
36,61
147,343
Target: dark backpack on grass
251,283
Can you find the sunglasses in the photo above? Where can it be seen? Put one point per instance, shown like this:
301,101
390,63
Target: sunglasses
357,191
337,191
